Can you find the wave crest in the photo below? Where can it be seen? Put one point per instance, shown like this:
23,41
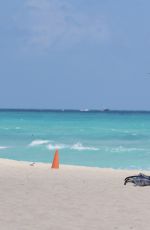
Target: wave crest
124,149
80,147
57,146
4,147
77,146
38,142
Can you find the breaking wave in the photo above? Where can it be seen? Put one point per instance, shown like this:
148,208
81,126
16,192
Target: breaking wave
80,147
4,147
124,149
38,142
57,146
77,146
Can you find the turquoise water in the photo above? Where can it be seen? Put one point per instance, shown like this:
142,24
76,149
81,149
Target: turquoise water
103,139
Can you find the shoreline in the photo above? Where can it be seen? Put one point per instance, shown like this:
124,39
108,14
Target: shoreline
63,166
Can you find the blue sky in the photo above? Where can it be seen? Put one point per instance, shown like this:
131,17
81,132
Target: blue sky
75,54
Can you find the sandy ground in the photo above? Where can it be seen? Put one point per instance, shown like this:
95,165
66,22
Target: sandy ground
71,198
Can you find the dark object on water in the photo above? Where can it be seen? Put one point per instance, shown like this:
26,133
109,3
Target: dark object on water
106,110
139,180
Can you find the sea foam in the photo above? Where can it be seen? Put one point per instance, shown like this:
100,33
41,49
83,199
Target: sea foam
80,147
77,146
120,149
4,147
57,146
39,142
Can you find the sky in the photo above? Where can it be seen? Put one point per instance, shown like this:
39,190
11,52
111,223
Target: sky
75,54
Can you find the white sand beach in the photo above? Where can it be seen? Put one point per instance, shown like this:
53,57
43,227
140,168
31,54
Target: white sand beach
71,198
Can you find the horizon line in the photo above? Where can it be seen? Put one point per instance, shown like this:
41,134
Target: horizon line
73,110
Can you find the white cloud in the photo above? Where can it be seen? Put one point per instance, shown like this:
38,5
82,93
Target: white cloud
57,23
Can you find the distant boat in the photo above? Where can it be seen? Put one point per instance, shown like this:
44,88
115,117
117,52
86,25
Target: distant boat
106,110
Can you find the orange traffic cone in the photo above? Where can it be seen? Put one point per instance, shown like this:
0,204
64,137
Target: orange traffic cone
55,164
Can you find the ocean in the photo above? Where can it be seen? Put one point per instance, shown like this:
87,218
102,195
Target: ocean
106,139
